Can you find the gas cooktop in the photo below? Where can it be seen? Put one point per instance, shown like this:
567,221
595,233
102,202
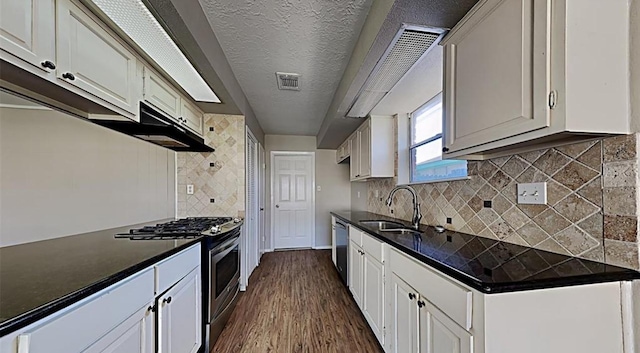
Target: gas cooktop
185,228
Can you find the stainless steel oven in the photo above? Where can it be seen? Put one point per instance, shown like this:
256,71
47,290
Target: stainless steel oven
224,283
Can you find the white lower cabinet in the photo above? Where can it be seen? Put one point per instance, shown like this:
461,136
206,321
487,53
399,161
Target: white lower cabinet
429,312
122,318
180,316
134,335
440,334
366,280
402,333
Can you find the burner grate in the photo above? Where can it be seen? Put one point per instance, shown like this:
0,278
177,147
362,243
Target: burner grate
186,228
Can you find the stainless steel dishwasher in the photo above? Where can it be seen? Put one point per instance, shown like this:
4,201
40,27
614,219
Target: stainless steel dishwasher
342,250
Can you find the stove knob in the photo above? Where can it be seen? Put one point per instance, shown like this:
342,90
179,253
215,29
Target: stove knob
237,220
215,229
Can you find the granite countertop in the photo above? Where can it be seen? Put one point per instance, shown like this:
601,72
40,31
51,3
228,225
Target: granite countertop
488,265
40,278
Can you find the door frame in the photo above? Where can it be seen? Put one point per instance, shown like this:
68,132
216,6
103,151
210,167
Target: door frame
262,200
249,249
272,214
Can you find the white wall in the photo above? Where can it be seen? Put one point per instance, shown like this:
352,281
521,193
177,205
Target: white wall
333,179
61,176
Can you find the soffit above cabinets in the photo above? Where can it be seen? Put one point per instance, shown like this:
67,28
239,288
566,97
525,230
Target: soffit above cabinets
381,27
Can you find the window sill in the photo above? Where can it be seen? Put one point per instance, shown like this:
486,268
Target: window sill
436,181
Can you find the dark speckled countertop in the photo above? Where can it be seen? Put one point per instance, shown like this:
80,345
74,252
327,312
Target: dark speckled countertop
488,265
40,278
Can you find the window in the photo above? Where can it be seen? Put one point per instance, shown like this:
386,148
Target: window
426,146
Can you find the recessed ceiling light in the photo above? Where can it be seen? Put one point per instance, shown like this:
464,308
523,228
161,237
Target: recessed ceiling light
133,17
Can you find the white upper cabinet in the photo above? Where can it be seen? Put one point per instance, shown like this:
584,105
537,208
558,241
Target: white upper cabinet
191,116
27,31
160,94
344,151
372,153
521,70
92,59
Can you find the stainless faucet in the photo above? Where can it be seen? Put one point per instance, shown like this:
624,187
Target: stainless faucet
416,205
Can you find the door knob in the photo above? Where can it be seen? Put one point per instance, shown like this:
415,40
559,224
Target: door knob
277,206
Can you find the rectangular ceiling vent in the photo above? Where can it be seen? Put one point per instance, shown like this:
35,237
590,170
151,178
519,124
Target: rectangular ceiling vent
288,81
409,45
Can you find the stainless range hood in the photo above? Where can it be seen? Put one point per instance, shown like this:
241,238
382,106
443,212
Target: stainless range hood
157,129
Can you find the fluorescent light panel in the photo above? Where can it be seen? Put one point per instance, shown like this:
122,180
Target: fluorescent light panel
133,17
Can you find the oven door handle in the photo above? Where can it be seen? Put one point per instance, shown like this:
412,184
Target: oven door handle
225,246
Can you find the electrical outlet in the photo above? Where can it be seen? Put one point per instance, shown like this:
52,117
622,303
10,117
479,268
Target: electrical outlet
190,189
318,188
532,193
376,193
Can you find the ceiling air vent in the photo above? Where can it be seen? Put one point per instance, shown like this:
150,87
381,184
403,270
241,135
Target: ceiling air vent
288,81
408,46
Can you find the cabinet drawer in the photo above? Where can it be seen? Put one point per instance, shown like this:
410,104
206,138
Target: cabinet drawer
373,247
86,323
355,236
176,267
454,300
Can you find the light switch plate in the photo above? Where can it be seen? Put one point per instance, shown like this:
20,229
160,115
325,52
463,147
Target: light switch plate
190,189
532,193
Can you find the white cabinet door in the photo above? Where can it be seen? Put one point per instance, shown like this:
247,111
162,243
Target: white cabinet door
404,317
160,94
495,81
90,58
134,335
440,334
180,316
354,164
355,272
191,116
365,149
27,30
373,295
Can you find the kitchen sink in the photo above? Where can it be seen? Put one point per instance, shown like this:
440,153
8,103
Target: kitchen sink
382,225
402,231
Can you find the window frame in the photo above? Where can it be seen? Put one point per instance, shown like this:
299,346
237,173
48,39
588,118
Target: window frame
436,100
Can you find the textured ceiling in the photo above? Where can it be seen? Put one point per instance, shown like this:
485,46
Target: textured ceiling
313,38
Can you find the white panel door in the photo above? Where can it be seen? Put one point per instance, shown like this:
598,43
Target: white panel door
404,317
135,335
250,246
440,334
356,272
495,82
293,201
180,316
27,30
365,150
372,295
160,94
91,59
354,161
191,116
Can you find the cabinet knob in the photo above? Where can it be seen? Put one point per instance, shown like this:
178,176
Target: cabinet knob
277,206
152,308
412,296
167,300
68,76
421,303
49,65
445,149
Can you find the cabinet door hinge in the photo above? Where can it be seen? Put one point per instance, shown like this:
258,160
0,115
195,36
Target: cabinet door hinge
553,98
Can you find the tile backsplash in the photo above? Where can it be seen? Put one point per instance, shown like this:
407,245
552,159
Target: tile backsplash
592,200
217,176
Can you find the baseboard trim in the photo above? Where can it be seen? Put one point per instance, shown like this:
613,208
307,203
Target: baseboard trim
267,250
323,247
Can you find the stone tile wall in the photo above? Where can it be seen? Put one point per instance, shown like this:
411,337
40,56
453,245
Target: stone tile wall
225,181
592,198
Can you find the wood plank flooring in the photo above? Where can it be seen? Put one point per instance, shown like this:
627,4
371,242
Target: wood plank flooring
296,303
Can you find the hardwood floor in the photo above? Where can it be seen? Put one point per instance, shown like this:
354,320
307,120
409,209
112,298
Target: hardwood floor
295,303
